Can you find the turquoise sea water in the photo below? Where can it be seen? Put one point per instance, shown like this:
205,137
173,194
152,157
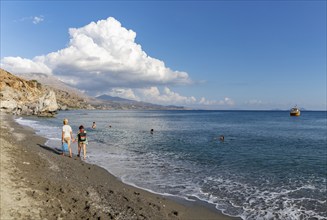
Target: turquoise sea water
270,165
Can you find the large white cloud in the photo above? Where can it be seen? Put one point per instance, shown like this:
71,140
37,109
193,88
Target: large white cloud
126,93
167,96
103,58
22,65
153,95
100,55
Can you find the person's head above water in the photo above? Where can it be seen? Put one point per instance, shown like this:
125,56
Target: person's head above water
222,138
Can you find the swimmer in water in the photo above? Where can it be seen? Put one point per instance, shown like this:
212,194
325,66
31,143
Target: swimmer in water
221,138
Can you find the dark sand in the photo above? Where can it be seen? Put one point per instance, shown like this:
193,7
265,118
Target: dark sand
38,183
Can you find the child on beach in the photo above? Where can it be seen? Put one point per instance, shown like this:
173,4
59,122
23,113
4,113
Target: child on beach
82,141
67,136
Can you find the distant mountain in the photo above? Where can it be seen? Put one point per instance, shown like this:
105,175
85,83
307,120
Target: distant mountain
113,98
49,80
132,104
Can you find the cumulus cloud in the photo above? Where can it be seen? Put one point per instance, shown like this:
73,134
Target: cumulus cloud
34,19
225,101
126,93
37,19
103,58
22,65
105,54
254,102
152,94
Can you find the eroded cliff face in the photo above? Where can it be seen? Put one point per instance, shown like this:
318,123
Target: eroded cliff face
19,96
67,96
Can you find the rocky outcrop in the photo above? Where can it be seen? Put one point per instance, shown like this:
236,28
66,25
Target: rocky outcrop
67,96
70,100
19,96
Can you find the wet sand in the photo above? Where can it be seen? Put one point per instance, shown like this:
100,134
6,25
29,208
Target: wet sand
38,183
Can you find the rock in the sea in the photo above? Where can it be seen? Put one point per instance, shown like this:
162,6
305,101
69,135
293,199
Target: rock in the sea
47,104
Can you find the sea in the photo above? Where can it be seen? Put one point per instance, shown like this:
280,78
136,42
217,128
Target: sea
269,166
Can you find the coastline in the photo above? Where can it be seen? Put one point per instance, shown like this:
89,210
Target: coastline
37,182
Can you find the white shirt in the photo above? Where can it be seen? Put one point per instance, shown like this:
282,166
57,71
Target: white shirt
66,129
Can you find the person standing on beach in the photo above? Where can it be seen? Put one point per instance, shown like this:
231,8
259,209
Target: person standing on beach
82,141
67,136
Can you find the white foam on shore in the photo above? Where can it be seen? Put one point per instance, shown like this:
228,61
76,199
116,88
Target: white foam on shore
279,203
25,122
52,134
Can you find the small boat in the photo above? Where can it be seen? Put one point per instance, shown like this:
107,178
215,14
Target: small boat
295,111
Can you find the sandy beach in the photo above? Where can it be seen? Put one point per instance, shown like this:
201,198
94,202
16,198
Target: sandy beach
38,183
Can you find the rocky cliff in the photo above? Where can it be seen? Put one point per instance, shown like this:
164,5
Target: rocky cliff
67,96
19,96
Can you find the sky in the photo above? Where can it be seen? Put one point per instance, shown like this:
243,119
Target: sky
251,55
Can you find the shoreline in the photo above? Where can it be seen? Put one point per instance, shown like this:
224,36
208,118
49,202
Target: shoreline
37,182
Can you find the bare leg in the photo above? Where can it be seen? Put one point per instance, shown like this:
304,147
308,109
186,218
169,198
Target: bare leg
63,152
84,151
70,149
66,140
79,149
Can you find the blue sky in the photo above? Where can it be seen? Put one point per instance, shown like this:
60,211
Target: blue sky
202,54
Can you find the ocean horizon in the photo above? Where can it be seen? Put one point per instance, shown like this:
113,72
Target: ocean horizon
269,166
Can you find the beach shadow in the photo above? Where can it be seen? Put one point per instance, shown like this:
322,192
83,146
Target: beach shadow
56,151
